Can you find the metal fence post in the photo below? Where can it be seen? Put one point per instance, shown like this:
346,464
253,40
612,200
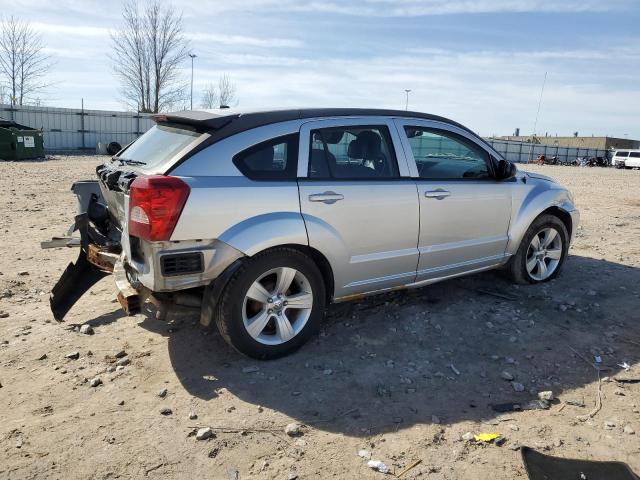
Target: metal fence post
82,123
519,153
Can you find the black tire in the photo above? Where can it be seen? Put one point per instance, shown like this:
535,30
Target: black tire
516,269
229,310
113,148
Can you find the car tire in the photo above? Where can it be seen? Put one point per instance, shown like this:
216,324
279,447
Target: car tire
240,314
521,268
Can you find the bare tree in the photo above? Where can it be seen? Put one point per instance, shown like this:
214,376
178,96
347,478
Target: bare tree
24,64
222,95
210,97
227,92
147,53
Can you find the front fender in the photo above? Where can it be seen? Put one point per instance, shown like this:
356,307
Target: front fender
261,232
532,203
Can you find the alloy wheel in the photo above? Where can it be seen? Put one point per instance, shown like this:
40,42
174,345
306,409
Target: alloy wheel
277,306
544,254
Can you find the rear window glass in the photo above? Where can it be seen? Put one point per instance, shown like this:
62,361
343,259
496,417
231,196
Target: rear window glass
275,159
622,154
635,154
157,145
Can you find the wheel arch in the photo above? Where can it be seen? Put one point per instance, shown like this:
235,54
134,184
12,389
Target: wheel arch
562,214
213,291
551,202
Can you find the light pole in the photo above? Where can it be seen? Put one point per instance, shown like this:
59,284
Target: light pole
406,105
192,55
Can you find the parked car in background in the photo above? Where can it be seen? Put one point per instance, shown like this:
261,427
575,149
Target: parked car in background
263,218
626,158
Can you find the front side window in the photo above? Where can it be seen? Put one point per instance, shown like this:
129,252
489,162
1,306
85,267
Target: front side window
444,155
275,159
352,153
622,154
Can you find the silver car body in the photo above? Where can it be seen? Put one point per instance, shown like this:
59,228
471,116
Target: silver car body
374,235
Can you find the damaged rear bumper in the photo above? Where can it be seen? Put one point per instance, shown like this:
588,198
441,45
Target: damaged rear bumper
93,264
143,271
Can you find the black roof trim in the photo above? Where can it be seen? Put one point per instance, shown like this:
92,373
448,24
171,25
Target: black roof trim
241,121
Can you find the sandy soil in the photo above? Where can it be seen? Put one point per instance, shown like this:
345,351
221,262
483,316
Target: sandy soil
402,376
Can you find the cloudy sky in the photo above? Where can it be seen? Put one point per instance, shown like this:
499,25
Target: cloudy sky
481,62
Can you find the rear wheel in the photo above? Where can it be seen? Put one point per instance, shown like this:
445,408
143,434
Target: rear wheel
272,305
542,251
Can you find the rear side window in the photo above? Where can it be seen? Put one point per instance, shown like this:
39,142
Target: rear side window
622,154
275,159
352,153
634,154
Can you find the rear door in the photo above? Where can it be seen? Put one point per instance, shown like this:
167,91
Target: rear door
620,157
633,160
359,204
464,211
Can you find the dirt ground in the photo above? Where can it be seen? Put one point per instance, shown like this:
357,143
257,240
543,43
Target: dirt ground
403,376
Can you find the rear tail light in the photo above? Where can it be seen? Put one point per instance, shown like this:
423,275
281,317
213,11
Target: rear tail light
155,204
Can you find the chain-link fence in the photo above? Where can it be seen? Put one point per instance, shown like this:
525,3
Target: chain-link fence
523,152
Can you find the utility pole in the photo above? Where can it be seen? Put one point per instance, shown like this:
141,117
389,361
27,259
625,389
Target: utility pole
406,105
192,55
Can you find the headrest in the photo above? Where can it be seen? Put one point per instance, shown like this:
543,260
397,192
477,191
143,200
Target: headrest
367,144
331,136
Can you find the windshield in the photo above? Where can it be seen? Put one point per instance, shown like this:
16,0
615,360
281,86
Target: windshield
156,146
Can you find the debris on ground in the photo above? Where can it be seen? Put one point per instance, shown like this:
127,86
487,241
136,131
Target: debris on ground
204,433
86,329
486,437
546,396
293,429
378,465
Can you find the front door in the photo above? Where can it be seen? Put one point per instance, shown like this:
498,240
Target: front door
359,204
464,211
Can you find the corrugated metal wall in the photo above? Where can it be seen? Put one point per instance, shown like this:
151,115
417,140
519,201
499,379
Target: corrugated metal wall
76,129
522,152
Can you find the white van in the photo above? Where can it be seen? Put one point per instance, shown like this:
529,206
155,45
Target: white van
627,158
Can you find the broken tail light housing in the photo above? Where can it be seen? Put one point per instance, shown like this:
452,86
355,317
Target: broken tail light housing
155,205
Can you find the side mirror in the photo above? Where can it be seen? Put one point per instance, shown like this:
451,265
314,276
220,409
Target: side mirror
505,170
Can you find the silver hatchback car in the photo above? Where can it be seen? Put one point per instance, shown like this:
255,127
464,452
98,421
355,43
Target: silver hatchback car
260,219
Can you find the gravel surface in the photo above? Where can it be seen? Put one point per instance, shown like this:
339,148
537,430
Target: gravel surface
413,377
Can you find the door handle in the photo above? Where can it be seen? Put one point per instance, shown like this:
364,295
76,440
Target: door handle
437,194
326,197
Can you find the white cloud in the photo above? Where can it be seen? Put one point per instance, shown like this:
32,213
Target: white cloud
414,8
490,91
244,40
72,30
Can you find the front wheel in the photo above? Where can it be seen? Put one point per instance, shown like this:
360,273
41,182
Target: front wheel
542,251
272,305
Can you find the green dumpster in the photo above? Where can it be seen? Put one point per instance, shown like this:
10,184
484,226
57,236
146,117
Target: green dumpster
18,142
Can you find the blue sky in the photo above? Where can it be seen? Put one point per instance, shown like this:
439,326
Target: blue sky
479,62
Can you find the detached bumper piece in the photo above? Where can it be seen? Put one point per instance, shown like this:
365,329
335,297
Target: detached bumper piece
128,297
95,261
